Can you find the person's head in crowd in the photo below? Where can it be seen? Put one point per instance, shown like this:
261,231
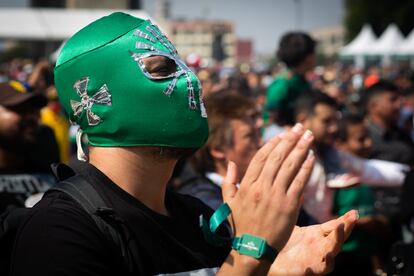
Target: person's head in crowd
333,89
41,77
233,134
238,83
151,104
404,79
405,121
19,117
408,98
383,103
254,80
319,113
297,51
373,76
353,135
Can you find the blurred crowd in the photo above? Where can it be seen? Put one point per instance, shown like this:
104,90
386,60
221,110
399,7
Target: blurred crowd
362,121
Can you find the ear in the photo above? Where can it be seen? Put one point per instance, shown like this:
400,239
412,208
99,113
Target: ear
217,153
301,117
372,103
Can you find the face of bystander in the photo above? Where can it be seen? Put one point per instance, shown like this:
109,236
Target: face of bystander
323,122
358,141
18,126
310,62
385,107
246,142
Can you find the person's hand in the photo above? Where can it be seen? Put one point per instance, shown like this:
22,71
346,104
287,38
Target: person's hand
267,203
36,80
311,250
42,65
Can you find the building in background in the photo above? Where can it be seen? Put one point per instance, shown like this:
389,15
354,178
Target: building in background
211,41
214,41
244,51
330,40
47,3
162,10
40,26
89,4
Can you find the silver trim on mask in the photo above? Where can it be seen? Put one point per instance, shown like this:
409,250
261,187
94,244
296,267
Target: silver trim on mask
191,96
160,36
144,36
200,97
138,57
144,46
182,68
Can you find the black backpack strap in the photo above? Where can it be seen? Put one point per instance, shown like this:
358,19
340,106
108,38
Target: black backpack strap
62,171
111,225
86,196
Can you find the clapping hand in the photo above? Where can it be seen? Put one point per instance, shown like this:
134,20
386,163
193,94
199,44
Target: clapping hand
311,250
267,205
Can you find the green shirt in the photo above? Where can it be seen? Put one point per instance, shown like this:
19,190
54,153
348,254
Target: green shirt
359,198
283,92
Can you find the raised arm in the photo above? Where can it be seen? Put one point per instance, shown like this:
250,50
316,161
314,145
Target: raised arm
374,172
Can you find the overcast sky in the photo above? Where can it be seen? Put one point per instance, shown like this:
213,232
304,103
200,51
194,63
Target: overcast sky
261,20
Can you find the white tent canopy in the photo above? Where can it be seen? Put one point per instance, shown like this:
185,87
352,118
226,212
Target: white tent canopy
387,44
49,24
407,46
361,44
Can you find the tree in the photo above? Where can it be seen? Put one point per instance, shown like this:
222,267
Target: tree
379,14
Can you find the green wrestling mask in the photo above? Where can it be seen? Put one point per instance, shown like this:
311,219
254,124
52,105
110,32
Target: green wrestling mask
105,87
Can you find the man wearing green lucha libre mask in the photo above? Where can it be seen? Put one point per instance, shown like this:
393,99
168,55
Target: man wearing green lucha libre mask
121,80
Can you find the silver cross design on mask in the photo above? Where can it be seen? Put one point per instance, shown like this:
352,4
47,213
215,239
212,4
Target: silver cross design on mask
101,97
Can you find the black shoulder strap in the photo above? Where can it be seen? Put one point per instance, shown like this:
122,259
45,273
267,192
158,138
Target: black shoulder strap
88,198
111,225
62,171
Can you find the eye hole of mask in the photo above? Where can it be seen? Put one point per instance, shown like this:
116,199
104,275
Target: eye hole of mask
159,66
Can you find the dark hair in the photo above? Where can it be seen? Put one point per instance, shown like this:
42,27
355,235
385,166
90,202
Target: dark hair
381,86
408,91
221,108
294,47
346,121
378,89
307,102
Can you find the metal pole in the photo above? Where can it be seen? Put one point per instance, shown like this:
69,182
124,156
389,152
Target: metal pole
298,14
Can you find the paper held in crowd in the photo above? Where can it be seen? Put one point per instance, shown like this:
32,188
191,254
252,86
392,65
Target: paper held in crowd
346,180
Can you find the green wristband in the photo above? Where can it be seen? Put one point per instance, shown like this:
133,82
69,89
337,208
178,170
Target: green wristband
253,246
219,216
209,229
246,244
